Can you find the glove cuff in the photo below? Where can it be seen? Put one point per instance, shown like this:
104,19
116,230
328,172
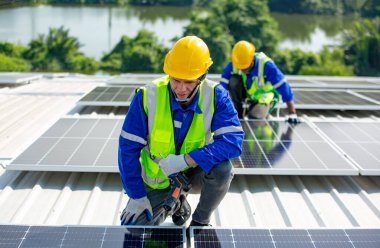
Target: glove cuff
184,158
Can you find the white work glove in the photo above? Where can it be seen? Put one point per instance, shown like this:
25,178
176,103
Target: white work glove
134,208
293,118
173,164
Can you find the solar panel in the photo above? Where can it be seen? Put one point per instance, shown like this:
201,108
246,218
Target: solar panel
284,238
359,140
18,78
275,147
331,99
109,96
86,236
270,147
74,144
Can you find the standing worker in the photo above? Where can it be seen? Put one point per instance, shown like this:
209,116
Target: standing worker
255,77
181,122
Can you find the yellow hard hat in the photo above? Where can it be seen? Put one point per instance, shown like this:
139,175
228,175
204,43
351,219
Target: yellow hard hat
242,54
188,59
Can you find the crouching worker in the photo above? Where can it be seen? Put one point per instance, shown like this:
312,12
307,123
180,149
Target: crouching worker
183,123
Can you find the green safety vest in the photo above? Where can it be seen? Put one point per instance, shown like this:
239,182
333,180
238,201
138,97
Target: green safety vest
260,91
161,140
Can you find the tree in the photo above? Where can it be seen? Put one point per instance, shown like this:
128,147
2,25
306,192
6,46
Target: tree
218,41
11,58
227,21
140,54
330,62
362,47
58,52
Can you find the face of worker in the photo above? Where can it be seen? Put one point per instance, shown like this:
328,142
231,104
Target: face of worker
182,88
246,70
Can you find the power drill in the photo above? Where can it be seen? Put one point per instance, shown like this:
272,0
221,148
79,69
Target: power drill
178,183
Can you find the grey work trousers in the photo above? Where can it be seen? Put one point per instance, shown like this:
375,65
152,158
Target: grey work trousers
238,95
212,187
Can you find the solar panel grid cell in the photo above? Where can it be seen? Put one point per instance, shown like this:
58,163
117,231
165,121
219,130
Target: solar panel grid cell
109,96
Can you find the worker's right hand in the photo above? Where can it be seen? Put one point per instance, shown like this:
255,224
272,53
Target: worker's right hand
173,164
292,118
134,208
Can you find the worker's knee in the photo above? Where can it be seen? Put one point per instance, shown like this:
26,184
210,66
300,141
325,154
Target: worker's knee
222,172
258,111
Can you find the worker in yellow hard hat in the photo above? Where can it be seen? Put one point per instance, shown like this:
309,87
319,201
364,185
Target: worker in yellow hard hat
255,79
180,124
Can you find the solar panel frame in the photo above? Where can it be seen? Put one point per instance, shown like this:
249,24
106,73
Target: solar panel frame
371,95
109,96
306,153
91,236
18,78
361,151
133,79
202,237
332,99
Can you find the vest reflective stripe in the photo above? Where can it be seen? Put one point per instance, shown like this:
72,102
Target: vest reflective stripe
132,137
161,128
225,80
208,100
278,84
229,129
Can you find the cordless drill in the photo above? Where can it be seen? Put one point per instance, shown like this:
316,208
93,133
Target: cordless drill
178,183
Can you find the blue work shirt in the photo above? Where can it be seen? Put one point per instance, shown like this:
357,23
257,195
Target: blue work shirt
225,146
271,74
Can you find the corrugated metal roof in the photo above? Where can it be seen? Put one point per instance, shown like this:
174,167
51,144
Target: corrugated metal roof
97,198
252,201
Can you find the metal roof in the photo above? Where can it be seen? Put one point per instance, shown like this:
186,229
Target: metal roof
97,198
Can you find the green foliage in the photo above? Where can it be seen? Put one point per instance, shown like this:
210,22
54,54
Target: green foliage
162,2
248,20
37,2
11,58
140,54
290,61
11,50
58,52
8,63
362,47
331,63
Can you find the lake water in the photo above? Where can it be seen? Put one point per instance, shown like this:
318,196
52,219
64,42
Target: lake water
100,28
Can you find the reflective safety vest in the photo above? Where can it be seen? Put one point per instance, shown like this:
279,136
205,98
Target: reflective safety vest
260,91
161,140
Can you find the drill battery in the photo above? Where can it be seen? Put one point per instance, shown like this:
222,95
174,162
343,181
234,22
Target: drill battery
178,184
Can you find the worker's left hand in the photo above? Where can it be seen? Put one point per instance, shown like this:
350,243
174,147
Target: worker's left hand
293,118
173,164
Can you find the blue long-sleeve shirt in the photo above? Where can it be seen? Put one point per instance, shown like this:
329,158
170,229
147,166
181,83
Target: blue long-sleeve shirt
271,74
225,146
